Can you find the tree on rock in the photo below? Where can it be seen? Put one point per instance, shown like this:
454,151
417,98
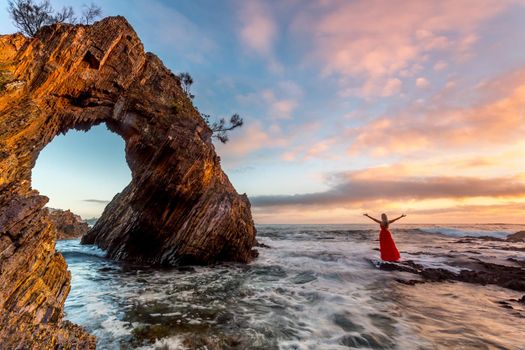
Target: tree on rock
90,13
186,81
220,128
29,16
66,15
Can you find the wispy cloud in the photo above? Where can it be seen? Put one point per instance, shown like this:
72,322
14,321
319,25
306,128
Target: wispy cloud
259,31
96,201
250,139
279,108
279,102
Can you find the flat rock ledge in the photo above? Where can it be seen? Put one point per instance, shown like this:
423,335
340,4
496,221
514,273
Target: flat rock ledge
479,272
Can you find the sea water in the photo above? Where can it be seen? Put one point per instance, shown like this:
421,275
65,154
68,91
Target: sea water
315,287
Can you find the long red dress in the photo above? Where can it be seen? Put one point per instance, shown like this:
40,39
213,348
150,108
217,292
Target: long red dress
387,246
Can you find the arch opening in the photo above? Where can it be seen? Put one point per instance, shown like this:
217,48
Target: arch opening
82,171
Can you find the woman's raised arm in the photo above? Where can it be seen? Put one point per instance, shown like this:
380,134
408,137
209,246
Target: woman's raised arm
391,221
368,216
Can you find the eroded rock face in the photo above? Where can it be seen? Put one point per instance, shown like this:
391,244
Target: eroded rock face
67,224
34,280
179,207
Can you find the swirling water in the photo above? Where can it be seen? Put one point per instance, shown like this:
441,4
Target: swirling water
313,288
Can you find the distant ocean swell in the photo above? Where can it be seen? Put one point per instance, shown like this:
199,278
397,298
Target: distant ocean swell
464,230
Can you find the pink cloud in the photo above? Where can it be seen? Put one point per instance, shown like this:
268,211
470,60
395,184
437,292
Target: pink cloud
281,107
278,108
440,65
496,118
258,32
376,87
290,156
321,148
377,41
258,29
251,138
422,82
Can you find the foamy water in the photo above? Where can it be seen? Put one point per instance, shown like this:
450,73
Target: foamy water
315,288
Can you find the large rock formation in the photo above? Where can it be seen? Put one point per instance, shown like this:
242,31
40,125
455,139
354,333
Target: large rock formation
67,224
179,207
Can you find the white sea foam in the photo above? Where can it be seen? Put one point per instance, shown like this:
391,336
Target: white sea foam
434,262
169,343
72,246
115,327
474,231
316,288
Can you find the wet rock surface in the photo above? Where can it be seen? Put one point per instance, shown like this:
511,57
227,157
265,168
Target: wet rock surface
472,264
516,237
477,272
67,224
179,207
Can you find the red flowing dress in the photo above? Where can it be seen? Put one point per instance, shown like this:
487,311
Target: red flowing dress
387,246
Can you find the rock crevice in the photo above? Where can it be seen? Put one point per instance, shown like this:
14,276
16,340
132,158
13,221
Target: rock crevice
179,207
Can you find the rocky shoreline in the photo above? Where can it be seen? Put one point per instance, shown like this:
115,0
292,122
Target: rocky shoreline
474,269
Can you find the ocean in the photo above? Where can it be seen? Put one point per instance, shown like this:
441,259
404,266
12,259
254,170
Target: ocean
312,287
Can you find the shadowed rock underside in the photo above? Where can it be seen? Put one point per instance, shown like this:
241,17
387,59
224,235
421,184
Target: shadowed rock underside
179,207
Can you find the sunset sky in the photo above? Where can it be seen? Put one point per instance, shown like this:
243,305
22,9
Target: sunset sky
349,106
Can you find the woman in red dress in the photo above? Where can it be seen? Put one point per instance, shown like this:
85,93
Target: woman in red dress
387,246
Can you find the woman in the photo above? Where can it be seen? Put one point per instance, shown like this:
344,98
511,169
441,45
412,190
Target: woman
387,246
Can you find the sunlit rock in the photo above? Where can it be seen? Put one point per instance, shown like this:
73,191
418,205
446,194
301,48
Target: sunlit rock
179,207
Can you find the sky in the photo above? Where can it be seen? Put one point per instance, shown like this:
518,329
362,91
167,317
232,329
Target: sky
412,107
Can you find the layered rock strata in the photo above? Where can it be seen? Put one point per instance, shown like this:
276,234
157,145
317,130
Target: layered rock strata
179,207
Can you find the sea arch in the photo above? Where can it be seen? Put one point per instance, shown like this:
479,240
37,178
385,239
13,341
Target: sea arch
179,207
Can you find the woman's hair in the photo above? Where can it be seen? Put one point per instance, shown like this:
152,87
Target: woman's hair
384,218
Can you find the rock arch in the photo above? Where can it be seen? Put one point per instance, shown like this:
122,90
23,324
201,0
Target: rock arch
179,207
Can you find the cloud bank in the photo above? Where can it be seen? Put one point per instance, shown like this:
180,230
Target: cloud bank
353,189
